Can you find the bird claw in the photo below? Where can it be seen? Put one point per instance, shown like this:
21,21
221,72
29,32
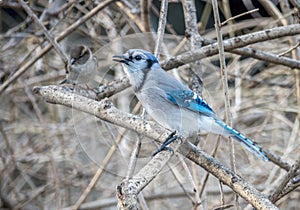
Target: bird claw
162,149
172,137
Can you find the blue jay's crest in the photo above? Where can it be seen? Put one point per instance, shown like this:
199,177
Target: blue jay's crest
151,57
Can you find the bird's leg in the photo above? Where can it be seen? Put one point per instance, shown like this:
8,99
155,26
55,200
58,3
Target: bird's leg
172,137
91,89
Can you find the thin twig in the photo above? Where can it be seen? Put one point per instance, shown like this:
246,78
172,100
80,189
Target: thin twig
224,76
133,158
227,13
290,187
196,200
289,50
239,15
205,177
161,27
124,8
145,6
288,177
51,39
222,198
66,6
169,27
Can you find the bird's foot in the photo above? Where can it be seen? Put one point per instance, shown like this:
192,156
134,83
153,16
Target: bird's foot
172,137
93,89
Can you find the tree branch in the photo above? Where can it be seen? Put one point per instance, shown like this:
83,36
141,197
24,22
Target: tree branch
227,176
231,44
280,190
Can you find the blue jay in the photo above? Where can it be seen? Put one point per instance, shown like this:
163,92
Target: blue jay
172,104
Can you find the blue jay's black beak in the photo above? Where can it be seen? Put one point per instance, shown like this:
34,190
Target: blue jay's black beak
121,59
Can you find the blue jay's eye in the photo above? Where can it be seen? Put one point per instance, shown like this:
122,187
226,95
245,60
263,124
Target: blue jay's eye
138,57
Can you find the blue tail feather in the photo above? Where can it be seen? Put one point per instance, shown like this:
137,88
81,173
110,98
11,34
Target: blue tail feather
249,144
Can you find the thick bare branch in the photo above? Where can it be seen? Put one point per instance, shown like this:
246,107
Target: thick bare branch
231,44
227,176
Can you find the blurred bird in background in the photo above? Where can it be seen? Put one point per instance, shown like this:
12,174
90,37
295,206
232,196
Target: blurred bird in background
82,67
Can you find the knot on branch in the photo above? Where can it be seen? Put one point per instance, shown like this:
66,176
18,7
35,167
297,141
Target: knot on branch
127,192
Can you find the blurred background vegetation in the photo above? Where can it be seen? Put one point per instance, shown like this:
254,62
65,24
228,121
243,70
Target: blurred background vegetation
49,153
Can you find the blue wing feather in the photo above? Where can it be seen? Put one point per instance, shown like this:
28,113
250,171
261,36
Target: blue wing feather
190,100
